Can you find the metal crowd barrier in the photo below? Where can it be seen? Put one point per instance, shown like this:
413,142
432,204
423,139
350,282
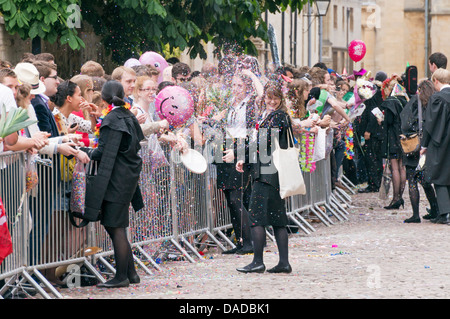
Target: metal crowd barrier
183,213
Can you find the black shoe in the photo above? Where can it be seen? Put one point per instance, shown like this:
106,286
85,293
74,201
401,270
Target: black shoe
280,269
135,279
249,269
114,284
244,251
412,220
432,214
442,219
396,205
230,251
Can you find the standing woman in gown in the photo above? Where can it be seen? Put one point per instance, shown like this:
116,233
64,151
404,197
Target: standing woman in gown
116,183
266,205
410,125
238,122
392,107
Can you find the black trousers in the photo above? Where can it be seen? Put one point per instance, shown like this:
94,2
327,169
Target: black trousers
373,162
443,198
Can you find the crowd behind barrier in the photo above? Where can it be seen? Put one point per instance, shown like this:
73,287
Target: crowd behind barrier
340,123
184,212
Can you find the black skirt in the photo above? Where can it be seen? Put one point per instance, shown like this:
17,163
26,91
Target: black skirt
266,206
115,214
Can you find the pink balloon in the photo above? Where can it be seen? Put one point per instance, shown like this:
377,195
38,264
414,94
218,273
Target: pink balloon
175,104
155,60
357,50
132,62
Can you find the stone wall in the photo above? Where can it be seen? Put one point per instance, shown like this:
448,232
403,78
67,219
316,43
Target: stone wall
399,38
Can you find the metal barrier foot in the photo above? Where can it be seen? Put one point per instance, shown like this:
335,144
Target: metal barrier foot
147,256
335,200
188,244
319,214
224,237
296,222
181,249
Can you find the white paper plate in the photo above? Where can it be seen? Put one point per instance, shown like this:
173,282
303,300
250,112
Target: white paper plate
194,161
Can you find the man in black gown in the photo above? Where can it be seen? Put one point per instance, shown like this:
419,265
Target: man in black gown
436,142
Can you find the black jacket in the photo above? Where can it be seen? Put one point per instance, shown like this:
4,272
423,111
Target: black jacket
264,169
436,137
46,120
122,167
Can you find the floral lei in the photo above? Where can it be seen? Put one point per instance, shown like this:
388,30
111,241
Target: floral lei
100,120
306,152
349,152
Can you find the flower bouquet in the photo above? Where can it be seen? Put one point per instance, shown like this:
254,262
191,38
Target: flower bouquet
217,100
14,121
364,90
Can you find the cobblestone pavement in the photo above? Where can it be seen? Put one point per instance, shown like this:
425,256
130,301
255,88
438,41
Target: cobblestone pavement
373,255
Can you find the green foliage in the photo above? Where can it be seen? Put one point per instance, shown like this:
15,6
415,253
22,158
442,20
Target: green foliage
130,27
46,19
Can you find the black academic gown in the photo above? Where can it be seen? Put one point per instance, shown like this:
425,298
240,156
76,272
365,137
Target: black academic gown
121,126
436,137
410,125
264,169
392,108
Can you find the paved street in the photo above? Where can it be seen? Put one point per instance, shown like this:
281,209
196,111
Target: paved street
373,255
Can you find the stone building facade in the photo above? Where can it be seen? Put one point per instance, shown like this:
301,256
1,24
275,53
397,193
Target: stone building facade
396,32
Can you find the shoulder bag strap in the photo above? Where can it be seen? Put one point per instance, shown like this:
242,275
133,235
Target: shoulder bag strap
419,102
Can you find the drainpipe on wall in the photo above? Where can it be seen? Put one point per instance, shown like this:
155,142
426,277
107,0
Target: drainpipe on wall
427,37
309,35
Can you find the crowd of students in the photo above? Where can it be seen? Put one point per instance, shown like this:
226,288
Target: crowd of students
237,98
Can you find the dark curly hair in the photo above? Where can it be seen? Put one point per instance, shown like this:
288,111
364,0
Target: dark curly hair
65,89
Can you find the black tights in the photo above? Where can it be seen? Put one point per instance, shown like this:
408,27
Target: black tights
414,194
239,216
122,254
398,178
259,239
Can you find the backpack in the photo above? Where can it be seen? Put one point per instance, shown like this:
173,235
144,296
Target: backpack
410,80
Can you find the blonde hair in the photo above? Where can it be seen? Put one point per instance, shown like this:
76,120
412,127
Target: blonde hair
140,80
441,75
92,68
120,71
84,82
97,100
296,88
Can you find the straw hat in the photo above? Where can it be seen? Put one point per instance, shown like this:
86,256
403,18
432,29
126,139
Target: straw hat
27,73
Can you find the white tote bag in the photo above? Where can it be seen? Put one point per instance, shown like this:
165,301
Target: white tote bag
320,144
289,173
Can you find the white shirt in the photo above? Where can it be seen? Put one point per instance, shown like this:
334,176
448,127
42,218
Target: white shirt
445,86
142,111
7,98
84,126
237,120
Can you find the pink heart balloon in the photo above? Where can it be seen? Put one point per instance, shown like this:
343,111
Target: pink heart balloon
357,50
175,104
